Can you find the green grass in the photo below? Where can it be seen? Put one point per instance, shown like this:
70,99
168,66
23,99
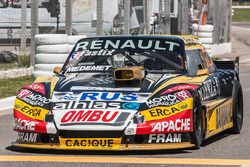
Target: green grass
241,3
241,15
5,66
23,61
10,87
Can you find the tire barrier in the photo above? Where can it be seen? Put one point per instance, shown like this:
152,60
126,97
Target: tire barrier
206,40
203,28
205,33
48,39
50,58
73,39
52,50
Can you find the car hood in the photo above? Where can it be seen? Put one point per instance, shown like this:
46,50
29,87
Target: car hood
94,102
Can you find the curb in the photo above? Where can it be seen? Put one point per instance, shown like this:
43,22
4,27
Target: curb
7,104
14,73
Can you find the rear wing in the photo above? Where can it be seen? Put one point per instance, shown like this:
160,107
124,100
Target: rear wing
228,64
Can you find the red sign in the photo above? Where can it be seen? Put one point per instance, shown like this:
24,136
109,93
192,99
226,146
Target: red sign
23,93
180,87
181,122
90,116
22,123
38,87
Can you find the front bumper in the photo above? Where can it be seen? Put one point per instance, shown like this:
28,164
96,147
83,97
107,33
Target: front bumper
118,143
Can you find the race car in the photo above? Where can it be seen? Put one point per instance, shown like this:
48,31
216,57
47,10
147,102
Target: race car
131,93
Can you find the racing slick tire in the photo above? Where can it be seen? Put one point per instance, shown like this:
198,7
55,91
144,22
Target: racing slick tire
203,28
72,40
48,39
53,49
204,34
206,40
50,58
197,134
237,108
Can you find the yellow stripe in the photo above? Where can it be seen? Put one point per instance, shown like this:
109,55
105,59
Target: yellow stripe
54,80
182,79
124,160
152,113
30,111
90,143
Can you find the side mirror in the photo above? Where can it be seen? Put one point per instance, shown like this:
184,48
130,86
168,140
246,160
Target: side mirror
57,70
202,72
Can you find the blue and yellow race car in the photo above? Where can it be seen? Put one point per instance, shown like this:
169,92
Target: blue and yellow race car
131,93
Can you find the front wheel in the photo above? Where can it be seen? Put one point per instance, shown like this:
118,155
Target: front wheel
197,134
237,108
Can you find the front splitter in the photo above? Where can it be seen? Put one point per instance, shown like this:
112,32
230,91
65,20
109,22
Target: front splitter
122,147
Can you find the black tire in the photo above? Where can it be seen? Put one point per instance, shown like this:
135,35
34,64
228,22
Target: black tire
197,134
237,108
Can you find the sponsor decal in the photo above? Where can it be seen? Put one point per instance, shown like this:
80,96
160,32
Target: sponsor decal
101,96
224,114
97,117
101,52
91,143
165,138
23,93
76,55
179,88
30,111
182,95
85,105
24,125
172,126
209,89
131,106
108,96
88,68
143,44
26,137
32,98
181,122
37,87
168,100
164,112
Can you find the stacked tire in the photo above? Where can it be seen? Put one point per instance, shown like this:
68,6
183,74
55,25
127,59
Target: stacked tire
52,50
205,33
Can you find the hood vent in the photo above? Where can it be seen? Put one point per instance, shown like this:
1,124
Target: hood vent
129,75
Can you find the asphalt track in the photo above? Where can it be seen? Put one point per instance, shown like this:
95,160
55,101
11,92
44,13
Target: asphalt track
220,150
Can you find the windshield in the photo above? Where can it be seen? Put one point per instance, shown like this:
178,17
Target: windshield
157,56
